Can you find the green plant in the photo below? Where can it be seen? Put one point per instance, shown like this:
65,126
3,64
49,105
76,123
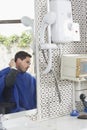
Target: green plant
24,40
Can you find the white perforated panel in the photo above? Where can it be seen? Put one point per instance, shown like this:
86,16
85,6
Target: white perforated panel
50,90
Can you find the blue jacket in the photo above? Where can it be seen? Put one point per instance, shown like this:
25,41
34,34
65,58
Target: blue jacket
23,91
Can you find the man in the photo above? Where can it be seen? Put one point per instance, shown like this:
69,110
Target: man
16,85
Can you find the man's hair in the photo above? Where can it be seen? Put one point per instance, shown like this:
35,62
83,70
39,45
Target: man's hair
22,55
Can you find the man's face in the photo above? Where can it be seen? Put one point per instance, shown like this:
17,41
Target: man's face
23,65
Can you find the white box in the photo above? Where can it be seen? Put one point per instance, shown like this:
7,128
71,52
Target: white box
74,67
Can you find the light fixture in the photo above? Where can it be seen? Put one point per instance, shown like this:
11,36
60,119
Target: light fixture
26,21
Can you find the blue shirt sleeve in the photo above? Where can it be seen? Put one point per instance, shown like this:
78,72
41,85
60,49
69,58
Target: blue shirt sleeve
3,74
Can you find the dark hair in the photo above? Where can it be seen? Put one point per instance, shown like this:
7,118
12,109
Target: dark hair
22,55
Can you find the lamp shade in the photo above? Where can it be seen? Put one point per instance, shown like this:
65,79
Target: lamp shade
26,21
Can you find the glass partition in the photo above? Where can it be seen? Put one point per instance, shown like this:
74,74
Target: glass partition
16,33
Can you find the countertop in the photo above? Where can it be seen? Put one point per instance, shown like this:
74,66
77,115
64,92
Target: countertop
61,123
64,123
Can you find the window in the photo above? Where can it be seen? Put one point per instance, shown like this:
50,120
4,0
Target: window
12,10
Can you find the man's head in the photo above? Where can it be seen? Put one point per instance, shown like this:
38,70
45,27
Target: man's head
22,60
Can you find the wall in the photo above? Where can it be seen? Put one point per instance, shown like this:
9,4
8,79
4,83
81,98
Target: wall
48,89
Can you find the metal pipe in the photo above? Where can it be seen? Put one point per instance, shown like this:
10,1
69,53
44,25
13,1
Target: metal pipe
10,21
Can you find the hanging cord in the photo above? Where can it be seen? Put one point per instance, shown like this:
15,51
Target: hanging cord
60,56
57,88
56,83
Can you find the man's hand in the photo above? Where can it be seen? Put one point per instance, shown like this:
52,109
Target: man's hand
11,76
12,63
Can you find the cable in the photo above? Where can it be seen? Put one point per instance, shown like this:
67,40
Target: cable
56,83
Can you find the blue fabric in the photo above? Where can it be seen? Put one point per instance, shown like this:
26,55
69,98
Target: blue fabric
24,90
